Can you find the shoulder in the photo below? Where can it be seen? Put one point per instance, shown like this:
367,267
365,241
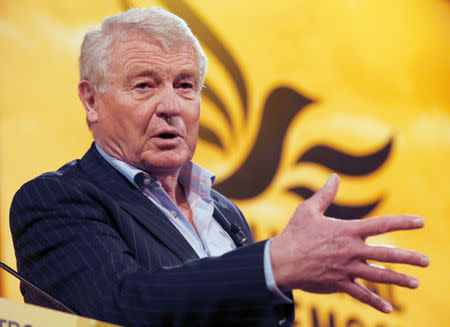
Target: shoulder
54,182
72,176
54,193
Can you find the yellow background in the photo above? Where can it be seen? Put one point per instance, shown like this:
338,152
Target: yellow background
31,315
376,69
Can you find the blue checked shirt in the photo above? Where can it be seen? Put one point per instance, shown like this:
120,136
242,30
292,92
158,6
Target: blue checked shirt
211,239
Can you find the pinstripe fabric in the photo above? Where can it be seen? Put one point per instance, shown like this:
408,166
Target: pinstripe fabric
211,239
95,242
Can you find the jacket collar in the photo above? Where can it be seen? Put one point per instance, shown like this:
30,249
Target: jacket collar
135,203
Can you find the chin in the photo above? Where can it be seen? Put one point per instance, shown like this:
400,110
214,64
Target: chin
165,163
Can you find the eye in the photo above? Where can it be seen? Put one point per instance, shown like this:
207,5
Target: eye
186,85
142,86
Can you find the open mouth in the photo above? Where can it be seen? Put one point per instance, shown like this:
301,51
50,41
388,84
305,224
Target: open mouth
167,136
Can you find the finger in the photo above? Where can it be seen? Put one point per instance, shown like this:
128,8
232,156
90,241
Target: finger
364,295
326,194
380,274
385,253
385,224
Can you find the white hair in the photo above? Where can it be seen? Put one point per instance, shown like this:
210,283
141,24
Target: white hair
154,24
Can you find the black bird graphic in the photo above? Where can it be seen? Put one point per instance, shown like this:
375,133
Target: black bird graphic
281,106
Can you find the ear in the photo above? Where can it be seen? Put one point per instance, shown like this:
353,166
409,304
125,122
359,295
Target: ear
88,95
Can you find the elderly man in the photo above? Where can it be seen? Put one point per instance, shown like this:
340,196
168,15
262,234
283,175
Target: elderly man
134,234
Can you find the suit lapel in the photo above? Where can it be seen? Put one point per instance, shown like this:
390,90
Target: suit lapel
135,204
235,232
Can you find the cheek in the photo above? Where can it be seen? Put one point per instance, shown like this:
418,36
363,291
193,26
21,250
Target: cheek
194,112
192,123
138,118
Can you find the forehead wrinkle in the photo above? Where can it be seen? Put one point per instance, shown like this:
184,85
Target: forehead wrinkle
158,68
150,57
145,49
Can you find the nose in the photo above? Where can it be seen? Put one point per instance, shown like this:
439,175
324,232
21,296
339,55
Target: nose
168,104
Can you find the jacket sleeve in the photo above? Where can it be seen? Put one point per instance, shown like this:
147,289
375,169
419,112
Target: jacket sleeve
66,243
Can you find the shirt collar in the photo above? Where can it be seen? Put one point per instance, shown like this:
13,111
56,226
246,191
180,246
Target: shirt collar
191,174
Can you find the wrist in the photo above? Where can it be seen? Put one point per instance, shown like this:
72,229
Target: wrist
277,252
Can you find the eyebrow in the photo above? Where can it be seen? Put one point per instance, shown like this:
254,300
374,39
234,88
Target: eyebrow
141,73
189,74
183,74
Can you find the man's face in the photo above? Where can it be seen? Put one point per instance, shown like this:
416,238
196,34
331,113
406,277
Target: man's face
149,114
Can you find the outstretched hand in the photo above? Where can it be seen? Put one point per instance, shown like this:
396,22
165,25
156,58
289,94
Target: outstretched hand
320,254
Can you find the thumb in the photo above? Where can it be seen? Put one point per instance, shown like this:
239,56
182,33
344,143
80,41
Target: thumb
325,195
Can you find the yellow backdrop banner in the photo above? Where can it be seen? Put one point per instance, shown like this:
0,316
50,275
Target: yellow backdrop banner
295,90
14,314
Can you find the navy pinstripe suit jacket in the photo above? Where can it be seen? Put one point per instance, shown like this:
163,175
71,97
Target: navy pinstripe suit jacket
96,243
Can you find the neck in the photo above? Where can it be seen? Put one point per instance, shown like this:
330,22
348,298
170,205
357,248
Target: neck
169,183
